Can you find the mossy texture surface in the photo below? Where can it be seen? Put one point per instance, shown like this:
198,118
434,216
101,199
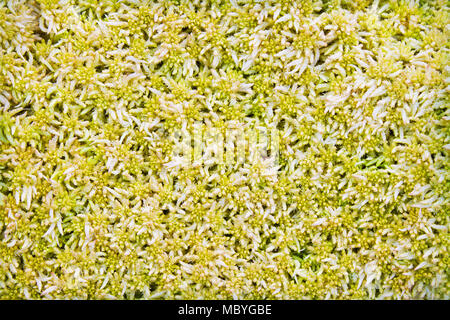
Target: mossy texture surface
95,202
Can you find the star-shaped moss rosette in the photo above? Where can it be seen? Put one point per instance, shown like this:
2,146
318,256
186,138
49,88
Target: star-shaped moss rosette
224,149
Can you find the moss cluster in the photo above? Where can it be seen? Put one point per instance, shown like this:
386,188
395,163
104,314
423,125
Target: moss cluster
94,205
